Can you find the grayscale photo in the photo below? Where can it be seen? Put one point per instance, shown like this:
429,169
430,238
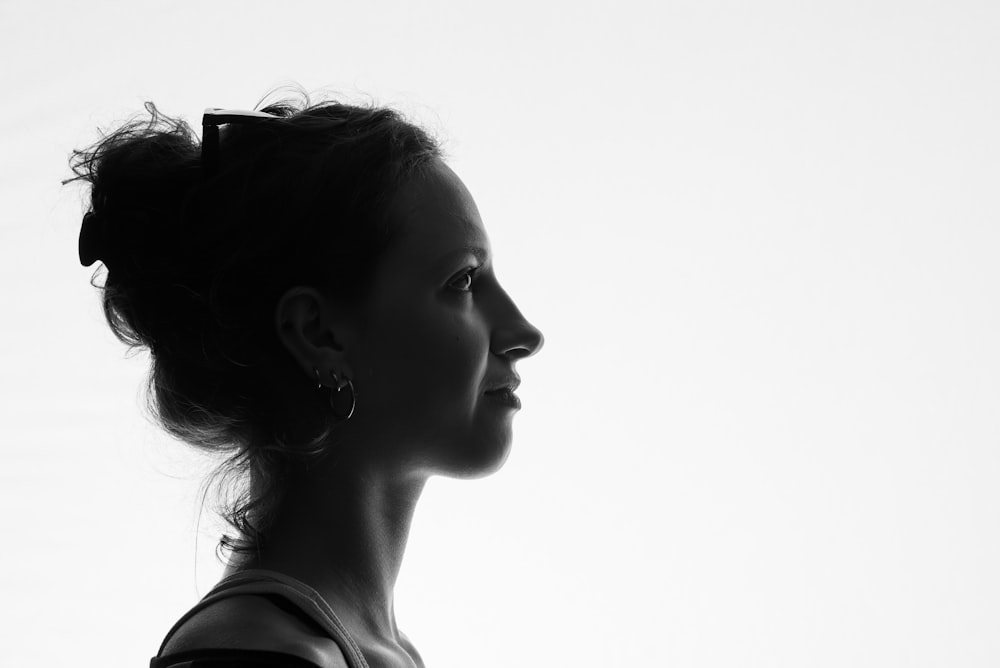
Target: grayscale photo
540,334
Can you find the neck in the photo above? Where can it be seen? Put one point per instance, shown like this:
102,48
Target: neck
342,530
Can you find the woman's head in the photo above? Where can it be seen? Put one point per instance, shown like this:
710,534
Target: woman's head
432,348
222,271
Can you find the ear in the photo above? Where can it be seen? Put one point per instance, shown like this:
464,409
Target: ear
308,327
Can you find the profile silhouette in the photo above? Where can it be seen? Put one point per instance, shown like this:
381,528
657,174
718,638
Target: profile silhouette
316,290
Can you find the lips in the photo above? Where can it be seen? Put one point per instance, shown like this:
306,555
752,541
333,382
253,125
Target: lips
504,386
504,396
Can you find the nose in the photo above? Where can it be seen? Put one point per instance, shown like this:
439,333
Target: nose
527,343
516,338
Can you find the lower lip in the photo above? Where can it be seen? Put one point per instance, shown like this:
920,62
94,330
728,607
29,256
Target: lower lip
505,397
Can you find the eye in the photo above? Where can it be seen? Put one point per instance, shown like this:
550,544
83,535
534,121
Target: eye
463,281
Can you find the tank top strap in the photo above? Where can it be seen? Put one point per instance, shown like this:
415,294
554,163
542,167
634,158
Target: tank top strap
301,595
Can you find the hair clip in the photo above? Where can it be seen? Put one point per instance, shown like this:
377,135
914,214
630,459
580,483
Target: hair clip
93,239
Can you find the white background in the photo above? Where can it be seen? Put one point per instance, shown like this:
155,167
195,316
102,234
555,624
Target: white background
760,237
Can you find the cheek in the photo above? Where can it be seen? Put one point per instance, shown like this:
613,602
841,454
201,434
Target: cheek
426,357
458,353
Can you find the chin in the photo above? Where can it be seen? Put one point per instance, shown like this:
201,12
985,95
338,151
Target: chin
479,458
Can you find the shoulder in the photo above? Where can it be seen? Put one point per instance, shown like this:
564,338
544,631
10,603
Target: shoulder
231,658
252,622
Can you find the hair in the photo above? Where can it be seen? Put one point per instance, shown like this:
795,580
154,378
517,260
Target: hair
198,258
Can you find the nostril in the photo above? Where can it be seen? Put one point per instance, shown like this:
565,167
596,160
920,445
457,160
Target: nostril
527,345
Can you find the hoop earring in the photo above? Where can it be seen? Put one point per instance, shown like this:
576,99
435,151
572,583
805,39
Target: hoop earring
336,395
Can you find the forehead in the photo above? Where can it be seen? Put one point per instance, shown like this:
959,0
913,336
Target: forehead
434,215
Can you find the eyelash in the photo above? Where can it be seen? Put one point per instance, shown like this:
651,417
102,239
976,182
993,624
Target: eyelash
468,271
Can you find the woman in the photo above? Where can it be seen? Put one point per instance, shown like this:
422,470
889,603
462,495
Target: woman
316,290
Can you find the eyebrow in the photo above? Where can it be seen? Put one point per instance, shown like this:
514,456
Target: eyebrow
478,252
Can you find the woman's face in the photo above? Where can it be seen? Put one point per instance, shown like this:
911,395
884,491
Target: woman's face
437,337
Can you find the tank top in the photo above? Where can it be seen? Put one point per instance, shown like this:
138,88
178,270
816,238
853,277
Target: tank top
263,582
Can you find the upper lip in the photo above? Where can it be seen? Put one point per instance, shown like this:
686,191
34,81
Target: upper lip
508,383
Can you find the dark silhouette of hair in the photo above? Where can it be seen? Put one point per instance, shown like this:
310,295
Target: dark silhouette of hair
197,260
